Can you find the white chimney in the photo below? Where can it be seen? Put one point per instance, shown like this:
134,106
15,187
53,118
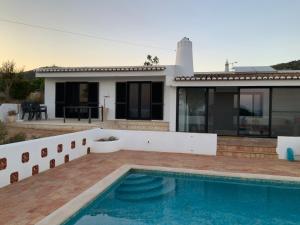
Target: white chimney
184,57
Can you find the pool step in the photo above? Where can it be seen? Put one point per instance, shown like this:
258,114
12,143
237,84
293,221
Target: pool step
143,188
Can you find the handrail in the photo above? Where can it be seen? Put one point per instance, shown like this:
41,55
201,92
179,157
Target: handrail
83,107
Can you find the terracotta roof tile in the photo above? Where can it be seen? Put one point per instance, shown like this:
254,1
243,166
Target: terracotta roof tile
242,76
99,69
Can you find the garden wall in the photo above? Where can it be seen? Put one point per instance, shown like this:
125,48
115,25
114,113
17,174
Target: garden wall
25,159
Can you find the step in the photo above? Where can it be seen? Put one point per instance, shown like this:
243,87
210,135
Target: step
141,181
248,149
247,155
166,188
141,188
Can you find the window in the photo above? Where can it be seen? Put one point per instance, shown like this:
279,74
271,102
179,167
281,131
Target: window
59,99
76,94
157,100
139,100
121,100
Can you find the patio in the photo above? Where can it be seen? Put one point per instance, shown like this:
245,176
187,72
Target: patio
76,125
38,196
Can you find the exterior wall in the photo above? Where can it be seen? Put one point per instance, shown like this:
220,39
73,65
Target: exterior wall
288,142
4,108
49,97
107,87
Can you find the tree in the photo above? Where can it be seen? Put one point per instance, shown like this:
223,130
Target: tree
293,65
9,75
151,61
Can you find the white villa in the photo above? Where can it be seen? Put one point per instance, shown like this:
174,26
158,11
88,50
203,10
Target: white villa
246,102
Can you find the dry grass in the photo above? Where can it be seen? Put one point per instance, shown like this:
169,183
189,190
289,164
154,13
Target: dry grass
33,133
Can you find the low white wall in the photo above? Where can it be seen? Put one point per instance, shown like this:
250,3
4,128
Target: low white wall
4,108
287,142
195,143
11,154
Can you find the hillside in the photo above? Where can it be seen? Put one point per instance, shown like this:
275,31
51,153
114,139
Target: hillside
293,65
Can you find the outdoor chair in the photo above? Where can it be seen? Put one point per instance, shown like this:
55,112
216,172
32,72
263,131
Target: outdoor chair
26,108
37,111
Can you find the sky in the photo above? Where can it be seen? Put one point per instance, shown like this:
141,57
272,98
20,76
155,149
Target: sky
251,32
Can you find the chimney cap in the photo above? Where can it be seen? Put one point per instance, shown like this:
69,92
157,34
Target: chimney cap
185,39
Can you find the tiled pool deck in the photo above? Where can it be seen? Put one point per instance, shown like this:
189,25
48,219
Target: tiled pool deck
30,200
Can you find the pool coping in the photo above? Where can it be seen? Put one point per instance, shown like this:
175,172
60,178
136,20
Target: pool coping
61,214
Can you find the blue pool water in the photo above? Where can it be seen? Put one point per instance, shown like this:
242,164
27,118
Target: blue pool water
143,197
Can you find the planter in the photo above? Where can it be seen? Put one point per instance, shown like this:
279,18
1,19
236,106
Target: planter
106,146
11,119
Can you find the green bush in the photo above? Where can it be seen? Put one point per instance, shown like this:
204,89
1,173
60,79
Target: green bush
17,138
20,89
37,84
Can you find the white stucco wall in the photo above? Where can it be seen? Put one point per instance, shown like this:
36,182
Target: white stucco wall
107,87
175,142
204,144
287,142
13,154
5,108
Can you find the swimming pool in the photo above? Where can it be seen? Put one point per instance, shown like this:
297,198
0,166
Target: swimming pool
151,197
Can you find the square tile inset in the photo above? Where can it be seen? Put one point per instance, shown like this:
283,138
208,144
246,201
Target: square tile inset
73,144
44,152
3,163
67,158
52,163
14,177
25,157
59,148
35,170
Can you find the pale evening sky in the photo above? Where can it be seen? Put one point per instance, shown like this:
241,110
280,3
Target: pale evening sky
252,32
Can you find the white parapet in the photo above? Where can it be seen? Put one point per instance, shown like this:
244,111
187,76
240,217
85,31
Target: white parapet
24,159
283,143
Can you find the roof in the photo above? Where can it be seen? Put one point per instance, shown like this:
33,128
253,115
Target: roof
99,69
246,76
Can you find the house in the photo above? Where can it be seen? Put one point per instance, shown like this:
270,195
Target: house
260,102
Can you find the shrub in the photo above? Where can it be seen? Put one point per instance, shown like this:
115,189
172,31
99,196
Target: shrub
36,96
111,138
17,138
3,133
20,89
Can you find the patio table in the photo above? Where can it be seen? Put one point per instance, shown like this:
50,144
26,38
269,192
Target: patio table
79,108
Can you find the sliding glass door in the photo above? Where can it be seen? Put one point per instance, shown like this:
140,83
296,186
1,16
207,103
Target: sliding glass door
139,103
191,110
223,110
254,111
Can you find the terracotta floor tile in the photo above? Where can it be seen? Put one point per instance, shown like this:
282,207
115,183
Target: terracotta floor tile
29,200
